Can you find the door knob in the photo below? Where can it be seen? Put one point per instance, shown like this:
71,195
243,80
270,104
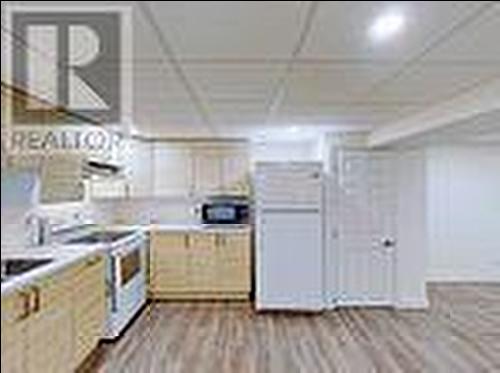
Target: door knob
388,242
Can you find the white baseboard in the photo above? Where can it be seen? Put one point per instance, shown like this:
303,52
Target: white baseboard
412,304
451,278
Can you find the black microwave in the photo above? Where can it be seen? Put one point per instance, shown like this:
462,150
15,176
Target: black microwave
225,210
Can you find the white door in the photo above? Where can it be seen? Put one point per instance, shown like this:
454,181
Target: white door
289,261
367,227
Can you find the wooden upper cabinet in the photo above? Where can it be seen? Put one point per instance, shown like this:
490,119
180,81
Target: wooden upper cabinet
235,171
140,168
62,179
222,170
172,170
185,169
207,164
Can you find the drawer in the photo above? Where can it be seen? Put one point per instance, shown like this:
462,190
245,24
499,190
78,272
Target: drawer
202,241
163,241
13,306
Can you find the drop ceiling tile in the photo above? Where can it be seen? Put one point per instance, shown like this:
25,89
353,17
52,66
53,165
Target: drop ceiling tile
156,88
239,29
238,81
169,122
341,28
238,113
332,83
432,83
338,115
477,42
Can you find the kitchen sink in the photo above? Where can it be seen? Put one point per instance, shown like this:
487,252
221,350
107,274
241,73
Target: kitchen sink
16,267
99,237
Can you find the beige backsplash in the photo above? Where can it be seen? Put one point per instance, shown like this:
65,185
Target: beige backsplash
146,211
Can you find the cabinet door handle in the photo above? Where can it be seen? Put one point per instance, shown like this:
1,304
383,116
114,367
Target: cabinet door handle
186,241
93,261
26,299
36,299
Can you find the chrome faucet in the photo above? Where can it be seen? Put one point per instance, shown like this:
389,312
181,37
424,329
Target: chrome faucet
37,230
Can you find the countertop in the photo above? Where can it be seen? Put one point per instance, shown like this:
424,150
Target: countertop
185,227
62,255
65,255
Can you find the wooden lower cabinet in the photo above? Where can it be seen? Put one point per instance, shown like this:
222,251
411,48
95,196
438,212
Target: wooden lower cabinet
55,324
233,271
14,321
89,308
201,258
200,265
169,263
48,328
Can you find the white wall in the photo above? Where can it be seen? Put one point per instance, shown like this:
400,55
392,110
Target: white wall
283,150
20,194
464,213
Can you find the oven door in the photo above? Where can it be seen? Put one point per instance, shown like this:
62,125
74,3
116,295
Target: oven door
128,279
129,263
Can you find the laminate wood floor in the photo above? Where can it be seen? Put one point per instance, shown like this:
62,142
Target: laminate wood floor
459,333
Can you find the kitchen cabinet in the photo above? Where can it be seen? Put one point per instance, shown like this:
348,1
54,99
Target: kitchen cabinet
221,169
54,324
111,187
48,328
200,265
187,169
140,169
235,171
36,328
172,170
14,317
207,166
62,178
61,170
169,263
89,307
233,258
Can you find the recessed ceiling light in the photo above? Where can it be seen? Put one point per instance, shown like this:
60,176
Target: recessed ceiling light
387,25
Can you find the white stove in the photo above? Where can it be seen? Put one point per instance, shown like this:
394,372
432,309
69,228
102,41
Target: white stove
126,282
126,272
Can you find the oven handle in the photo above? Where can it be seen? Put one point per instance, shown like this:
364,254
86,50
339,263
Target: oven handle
112,283
126,247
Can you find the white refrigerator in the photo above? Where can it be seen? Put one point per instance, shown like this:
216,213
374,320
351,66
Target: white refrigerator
289,236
